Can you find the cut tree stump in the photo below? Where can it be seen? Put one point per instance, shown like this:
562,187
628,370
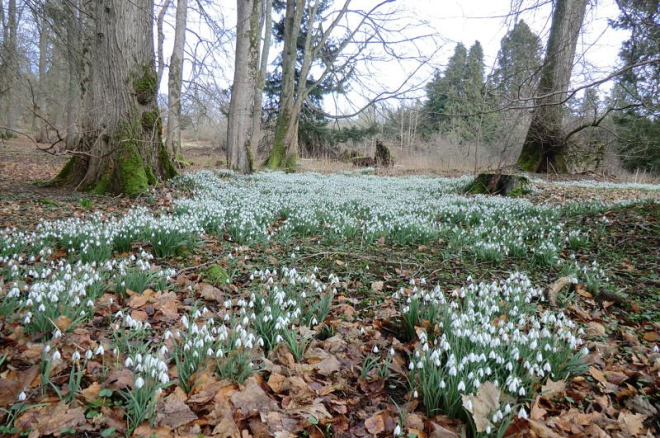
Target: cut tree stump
499,184
383,157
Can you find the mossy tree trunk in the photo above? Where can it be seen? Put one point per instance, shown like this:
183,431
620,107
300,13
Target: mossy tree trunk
285,146
121,148
545,143
242,105
174,83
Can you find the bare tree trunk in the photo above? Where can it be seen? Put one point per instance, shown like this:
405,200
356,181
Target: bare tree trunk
544,146
160,67
73,89
242,104
174,83
255,138
9,67
283,153
121,149
40,101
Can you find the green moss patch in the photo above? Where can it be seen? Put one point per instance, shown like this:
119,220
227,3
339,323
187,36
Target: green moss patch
216,275
145,87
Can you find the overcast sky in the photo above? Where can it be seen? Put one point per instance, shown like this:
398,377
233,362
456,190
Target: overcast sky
465,21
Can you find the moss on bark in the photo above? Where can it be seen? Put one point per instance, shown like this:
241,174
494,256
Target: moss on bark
169,171
499,184
66,174
145,87
277,156
103,185
151,120
130,170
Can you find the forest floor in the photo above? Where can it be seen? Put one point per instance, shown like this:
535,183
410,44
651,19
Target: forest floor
352,375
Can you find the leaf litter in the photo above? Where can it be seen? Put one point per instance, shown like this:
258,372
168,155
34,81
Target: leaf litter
328,391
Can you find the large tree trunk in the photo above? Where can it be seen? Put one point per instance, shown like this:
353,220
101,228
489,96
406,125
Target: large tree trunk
285,147
255,138
173,139
544,146
241,106
121,149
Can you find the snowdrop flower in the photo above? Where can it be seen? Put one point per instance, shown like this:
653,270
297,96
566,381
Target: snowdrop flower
75,356
139,383
415,394
99,350
56,355
522,413
461,386
397,430
375,349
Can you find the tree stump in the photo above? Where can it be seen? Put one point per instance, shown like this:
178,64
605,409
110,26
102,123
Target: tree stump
383,158
499,184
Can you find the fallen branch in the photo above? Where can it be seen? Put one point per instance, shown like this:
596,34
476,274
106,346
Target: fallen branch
553,291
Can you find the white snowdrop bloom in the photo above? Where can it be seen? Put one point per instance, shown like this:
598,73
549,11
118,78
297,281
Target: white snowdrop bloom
397,430
415,394
99,350
22,396
128,362
461,386
56,355
139,382
57,334
522,413
375,349
88,354
75,356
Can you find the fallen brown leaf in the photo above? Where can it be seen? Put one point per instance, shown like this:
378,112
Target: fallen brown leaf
252,399
376,423
481,405
553,389
633,422
174,412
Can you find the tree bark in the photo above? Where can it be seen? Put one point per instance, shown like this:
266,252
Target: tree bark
121,149
544,145
42,133
285,147
73,87
255,138
160,66
174,83
241,106
9,65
